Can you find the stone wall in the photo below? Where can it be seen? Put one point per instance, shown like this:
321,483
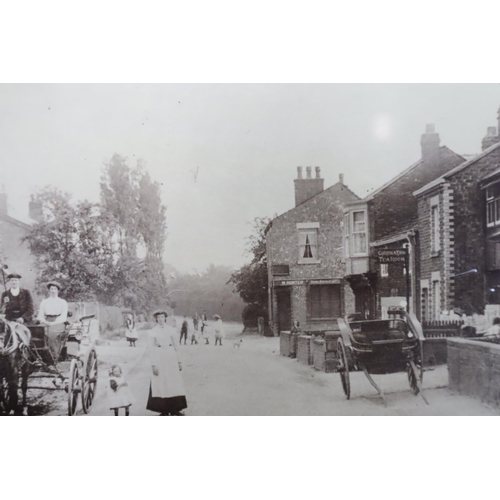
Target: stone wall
282,249
474,369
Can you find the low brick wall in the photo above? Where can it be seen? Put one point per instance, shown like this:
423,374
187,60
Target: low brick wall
474,369
304,349
325,353
285,343
435,352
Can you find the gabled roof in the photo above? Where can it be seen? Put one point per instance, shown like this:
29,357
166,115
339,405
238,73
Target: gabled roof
402,174
331,188
455,170
16,222
393,180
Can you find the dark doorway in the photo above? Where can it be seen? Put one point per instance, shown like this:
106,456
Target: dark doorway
364,302
284,310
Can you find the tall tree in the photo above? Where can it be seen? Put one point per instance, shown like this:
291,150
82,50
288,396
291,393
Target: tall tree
71,244
133,203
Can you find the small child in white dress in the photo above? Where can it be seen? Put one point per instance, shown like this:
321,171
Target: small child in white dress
119,394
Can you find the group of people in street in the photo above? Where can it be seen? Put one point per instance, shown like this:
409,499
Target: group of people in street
204,330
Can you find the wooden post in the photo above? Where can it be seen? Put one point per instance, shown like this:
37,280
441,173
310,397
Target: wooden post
408,280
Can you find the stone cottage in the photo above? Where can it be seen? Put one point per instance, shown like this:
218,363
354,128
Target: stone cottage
306,267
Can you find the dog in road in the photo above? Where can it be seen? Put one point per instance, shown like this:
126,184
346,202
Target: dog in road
237,343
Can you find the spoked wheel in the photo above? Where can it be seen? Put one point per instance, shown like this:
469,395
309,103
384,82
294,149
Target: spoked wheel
343,367
89,382
74,388
415,374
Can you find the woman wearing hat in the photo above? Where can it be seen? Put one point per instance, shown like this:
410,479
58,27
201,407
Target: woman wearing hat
166,392
54,313
16,302
53,309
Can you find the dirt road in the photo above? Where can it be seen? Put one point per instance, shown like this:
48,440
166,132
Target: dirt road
254,380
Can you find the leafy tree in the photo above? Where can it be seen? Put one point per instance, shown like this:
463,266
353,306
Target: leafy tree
71,244
208,291
137,220
251,280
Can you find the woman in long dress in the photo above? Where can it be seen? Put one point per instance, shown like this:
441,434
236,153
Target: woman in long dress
53,313
167,395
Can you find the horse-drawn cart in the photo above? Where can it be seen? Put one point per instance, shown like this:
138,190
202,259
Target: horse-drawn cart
54,346
382,346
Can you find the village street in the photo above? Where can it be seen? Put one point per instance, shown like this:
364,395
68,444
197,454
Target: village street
255,380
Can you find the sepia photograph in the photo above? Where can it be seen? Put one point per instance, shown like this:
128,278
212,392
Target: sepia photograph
250,249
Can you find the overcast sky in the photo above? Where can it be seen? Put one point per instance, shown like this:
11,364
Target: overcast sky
227,153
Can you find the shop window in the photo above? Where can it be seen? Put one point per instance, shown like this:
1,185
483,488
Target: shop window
324,302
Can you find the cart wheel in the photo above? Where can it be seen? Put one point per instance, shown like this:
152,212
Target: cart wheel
90,381
73,387
343,367
415,376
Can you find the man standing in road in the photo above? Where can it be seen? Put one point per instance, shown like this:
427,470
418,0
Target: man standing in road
204,333
16,303
184,331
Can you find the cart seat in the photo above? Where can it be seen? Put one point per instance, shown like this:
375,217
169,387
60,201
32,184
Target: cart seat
370,331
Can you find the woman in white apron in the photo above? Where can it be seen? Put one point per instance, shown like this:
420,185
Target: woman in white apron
166,392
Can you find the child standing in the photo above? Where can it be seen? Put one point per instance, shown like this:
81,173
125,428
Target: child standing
218,330
119,394
131,332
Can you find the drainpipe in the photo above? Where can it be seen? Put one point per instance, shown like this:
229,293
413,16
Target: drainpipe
412,240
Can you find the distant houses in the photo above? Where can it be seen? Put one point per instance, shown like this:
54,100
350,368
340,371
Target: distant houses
14,253
427,241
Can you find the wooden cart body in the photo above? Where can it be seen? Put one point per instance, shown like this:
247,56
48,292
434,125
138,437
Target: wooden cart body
382,346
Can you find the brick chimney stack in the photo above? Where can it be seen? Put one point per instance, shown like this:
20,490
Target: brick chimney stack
308,187
429,143
35,210
490,138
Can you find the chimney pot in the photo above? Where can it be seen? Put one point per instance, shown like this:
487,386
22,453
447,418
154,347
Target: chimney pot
429,143
318,170
308,172
490,138
299,172
341,179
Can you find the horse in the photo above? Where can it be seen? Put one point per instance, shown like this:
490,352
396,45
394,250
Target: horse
14,354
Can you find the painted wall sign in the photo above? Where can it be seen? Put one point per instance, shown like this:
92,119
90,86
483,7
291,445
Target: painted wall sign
392,256
303,282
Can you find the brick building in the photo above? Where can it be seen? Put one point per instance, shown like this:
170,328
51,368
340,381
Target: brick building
386,222
305,261
15,253
459,227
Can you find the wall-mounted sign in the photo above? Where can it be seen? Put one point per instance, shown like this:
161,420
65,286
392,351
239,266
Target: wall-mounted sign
290,282
280,270
392,256
311,282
